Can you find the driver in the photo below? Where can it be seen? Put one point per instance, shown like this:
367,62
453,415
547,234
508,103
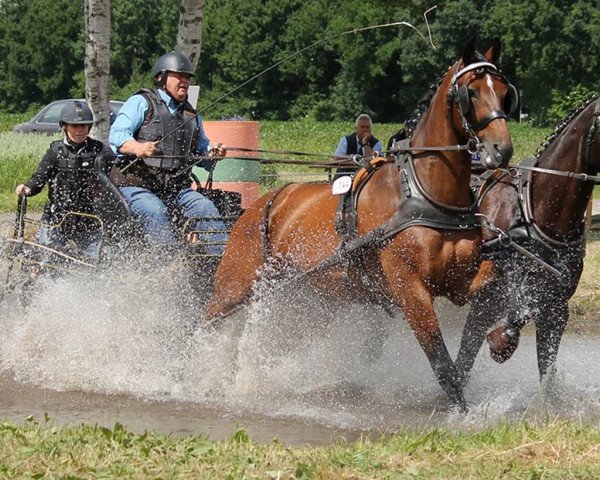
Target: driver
154,133
70,168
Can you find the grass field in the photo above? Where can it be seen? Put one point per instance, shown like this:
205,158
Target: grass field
20,154
550,450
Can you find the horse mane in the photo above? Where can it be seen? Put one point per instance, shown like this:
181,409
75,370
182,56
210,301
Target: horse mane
561,126
411,124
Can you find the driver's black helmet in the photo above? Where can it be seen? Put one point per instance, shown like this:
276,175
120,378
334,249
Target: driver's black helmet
173,62
76,112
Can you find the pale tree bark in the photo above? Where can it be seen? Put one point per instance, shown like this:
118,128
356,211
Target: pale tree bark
97,64
189,35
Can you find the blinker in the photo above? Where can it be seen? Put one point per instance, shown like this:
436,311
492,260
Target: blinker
463,99
511,100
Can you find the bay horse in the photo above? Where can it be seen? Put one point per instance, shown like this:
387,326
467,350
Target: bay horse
410,254
555,188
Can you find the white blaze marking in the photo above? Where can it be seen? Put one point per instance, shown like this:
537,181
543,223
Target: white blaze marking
490,83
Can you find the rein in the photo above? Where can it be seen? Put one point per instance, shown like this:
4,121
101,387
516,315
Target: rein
584,177
280,152
450,148
328,155
589,138
358,161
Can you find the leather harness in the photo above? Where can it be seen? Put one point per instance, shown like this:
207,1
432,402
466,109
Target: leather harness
417,207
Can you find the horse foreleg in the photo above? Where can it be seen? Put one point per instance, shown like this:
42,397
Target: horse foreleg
483,314
420,314
549,332
504,339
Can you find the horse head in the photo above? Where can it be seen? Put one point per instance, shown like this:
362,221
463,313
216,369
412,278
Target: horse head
479,100
570,157
592,141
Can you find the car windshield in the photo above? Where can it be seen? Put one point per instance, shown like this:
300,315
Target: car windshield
115,107
52,115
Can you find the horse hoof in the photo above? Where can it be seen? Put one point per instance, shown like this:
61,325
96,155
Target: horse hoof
503,341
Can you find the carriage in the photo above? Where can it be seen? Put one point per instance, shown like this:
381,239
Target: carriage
106,235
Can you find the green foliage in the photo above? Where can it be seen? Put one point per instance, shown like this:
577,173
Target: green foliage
549,50
40,52
564,103
142,30
42,55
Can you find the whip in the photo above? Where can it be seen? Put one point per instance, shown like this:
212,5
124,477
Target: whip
302,50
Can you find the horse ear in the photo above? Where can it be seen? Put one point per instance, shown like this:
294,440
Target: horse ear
493,53
468,55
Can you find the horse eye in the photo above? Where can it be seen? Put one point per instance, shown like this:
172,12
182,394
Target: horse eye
473,93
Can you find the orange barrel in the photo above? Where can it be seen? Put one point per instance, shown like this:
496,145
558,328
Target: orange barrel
234,174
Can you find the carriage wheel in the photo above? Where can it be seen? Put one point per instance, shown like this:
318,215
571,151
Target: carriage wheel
18,278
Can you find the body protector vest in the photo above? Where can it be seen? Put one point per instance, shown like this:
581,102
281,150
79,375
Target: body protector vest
159,174
73,187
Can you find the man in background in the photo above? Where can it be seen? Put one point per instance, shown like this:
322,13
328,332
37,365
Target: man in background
360,142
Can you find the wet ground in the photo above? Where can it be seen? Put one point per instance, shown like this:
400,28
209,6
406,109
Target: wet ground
106,351
128,346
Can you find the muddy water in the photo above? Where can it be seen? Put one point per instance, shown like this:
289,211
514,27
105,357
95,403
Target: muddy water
128,347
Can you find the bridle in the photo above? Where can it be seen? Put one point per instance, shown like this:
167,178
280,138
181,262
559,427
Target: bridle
460,95
588,141
524,196
589,138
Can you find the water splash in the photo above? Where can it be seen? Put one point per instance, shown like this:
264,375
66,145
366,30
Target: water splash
138,332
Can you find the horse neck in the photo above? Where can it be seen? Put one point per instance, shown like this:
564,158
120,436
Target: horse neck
445,176
559,203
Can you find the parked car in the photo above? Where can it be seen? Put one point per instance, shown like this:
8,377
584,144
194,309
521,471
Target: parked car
46,120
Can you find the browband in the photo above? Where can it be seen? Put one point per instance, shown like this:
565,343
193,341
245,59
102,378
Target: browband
472,66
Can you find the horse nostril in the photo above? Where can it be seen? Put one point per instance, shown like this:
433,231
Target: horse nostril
504,151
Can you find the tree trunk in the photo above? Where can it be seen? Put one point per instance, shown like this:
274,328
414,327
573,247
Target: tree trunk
189,35
97,64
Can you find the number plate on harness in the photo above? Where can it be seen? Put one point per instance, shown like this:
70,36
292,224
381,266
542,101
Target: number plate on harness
341,185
